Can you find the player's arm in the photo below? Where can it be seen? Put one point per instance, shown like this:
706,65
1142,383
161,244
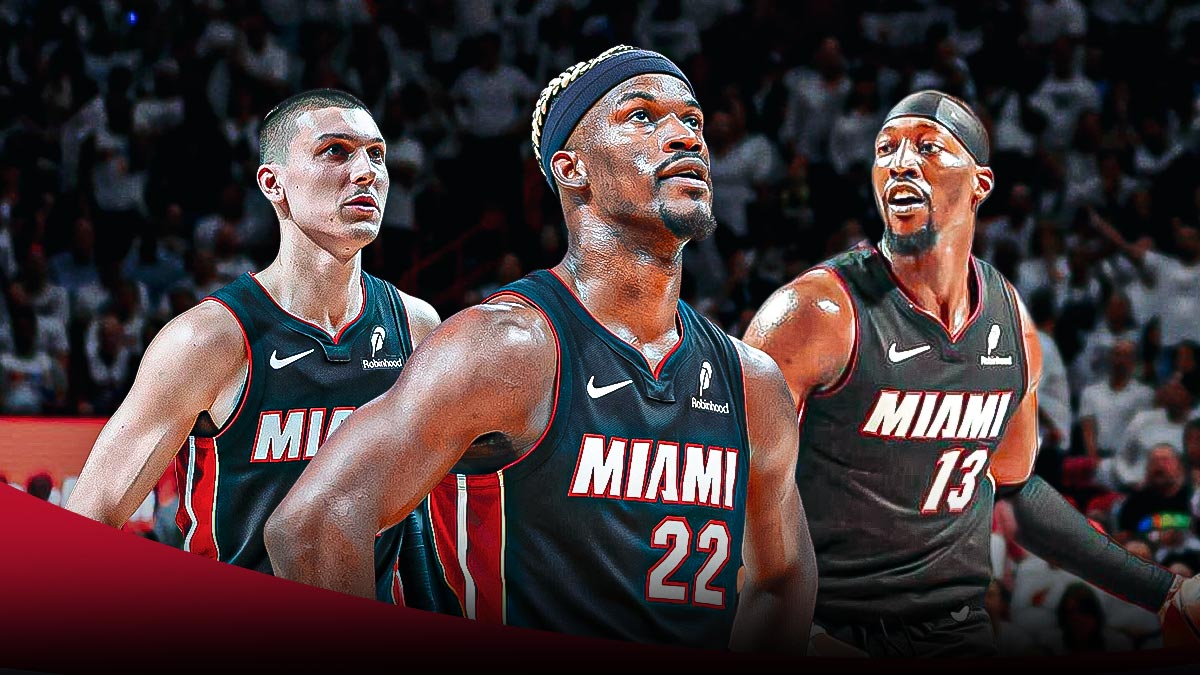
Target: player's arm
195,360
807,327
1047,525
776,604
422,317
488,369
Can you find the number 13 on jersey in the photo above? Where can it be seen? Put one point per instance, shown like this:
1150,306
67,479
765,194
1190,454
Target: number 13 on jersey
957,497
675,535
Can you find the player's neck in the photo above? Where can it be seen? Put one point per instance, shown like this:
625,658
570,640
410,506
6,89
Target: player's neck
313,284
630,286
938,280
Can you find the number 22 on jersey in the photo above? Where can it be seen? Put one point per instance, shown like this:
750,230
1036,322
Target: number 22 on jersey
675,535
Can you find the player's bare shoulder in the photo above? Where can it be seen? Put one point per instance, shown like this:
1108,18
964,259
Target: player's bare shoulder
207,336
422,317
505,346
807,327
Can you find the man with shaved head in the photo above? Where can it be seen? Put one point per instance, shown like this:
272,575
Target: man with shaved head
242,389
916,369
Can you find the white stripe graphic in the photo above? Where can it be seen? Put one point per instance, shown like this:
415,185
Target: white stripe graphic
503,547
216,487
468,581
187,494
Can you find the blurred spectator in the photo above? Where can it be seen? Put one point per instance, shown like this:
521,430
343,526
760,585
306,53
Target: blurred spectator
230,215
1094,363
816,97
76,267
1106,408
1054,396
493,103
1161,425
1081,624
1046,267
1050,20
110,366
1016,226
853,132
1163,500
40,485
1062,96
1175,280
31,382
34,288
1011,640
743,167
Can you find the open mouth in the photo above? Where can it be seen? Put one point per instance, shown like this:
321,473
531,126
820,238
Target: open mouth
905,198
687,170
363,202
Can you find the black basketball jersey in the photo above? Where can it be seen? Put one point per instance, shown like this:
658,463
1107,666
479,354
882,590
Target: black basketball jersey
302,384
894,458
625,520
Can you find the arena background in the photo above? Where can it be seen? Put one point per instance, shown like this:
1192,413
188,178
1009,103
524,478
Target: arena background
129,144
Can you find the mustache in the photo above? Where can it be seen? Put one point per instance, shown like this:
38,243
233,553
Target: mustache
919,187
678,155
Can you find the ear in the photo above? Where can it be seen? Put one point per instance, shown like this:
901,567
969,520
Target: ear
985,180
270,185
568,170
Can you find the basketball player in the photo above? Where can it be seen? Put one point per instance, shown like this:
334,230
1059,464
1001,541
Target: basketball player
916,371
251,380
617,458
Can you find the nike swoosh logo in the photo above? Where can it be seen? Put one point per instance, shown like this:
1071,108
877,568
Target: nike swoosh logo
961,615
278,363
597,392
896,356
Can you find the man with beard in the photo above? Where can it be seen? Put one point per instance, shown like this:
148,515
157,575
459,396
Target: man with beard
916,370
616,457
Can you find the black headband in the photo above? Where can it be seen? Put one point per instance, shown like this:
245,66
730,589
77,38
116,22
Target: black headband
597,78
951,114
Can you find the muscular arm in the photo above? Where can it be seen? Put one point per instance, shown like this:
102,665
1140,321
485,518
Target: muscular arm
488,370
1047,525
776,606
807,327
198,359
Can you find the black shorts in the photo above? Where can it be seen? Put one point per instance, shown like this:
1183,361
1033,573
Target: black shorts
966,632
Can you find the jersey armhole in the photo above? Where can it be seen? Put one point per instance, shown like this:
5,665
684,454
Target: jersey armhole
245,393
407,345
527,458
737,355
848,369
1015,304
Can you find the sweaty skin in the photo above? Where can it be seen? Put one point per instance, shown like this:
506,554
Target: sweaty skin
198,362
808,326
494,365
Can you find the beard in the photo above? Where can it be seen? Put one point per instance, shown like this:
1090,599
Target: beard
912,244
696,224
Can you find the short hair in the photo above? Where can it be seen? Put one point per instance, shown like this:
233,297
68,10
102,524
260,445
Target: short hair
278,126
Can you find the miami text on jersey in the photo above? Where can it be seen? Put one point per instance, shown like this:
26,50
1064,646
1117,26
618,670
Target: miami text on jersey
296,434
621,469
937,414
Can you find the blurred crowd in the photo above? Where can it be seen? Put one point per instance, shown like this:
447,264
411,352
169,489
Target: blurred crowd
128,148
